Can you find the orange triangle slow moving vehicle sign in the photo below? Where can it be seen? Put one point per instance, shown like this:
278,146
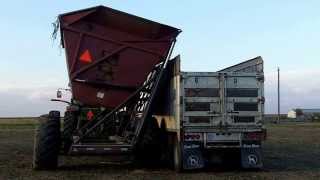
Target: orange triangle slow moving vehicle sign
86,57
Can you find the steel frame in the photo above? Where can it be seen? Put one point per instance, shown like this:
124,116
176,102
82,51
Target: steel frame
138,106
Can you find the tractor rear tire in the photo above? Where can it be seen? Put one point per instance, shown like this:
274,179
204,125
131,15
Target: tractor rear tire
69,125
47,142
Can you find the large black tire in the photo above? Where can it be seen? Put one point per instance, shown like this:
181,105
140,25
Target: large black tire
148,150
69,125
47,142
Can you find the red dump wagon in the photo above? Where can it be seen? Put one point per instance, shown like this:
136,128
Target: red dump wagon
110,53
117,64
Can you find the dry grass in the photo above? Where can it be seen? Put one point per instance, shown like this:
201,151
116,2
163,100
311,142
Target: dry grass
292,151
18,123
22,120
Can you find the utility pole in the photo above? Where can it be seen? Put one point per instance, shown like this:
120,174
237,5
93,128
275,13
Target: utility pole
278,95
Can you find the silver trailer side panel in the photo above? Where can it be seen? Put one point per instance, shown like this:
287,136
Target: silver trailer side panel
251,65
222,99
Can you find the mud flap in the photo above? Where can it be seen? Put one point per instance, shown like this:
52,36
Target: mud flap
251,158
192,156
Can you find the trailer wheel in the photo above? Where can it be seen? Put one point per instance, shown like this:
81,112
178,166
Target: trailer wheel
69,125
149,147
47,142
177,160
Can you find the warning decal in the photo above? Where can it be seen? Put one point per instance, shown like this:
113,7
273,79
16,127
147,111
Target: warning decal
86,57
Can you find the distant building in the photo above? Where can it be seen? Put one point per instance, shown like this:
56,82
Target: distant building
292,114
304,114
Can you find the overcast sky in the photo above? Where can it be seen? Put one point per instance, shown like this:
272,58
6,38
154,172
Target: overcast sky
215,35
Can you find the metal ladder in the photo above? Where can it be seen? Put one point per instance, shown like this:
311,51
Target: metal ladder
129,117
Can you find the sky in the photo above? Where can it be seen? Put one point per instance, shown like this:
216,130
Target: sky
216,34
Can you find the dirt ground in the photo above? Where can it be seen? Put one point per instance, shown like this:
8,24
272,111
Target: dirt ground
292,151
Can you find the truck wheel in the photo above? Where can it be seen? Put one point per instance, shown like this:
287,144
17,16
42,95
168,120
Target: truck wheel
69,125
47,142
177,160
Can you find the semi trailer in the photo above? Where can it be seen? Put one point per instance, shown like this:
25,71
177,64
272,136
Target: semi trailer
215,115
130,99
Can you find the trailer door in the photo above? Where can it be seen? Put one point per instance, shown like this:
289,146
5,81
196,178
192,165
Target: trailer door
222,99
244,99
201,99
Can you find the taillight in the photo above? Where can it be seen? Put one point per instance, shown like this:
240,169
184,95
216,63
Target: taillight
192,136
254,136
90,115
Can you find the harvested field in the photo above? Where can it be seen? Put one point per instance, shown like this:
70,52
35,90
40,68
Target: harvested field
292,151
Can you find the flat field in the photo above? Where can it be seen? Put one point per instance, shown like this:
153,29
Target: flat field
292,151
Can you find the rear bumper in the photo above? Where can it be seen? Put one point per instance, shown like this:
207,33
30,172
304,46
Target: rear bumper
225,129
212,139
99,149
